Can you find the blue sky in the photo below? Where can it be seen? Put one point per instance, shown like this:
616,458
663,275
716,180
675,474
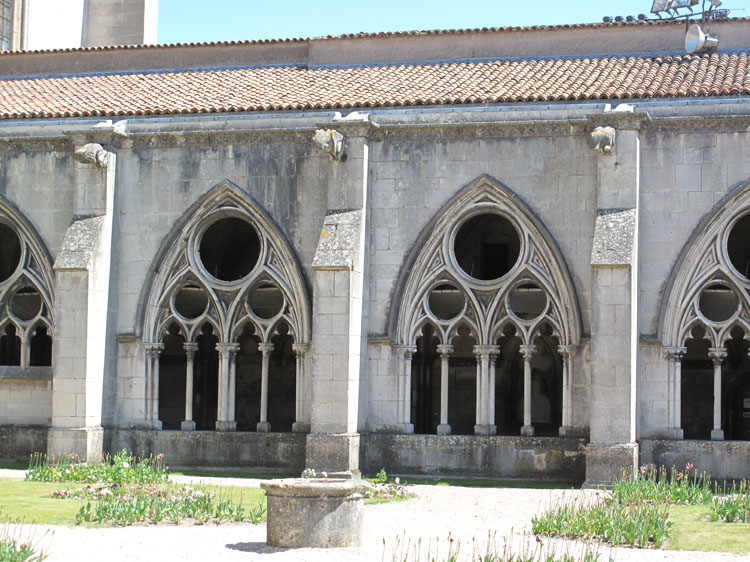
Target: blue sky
188,20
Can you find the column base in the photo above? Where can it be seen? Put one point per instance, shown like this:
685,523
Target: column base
717,435
677,433
226,425
528,431
301,427
263,427
606,462
573,431
86,442
485,430
187,425
407,428
444,429
333,453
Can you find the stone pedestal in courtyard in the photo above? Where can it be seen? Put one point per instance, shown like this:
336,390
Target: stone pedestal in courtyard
315,512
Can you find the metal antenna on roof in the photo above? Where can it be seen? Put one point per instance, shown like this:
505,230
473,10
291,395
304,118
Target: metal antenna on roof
697,37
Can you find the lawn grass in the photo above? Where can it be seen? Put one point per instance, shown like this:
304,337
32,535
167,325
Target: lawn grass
31,502
15,465
691,532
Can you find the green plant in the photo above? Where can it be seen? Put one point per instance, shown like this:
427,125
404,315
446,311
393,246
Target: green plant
156,505
122,468
381,477
734,507
15,548
682,487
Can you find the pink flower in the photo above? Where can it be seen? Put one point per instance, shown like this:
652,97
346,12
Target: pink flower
644,469
689,466
538,539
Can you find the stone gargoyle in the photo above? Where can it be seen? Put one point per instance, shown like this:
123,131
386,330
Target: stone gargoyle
331,142
603,139
91,153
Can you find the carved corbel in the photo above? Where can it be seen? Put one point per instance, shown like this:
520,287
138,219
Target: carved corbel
603,139
331,142
92,153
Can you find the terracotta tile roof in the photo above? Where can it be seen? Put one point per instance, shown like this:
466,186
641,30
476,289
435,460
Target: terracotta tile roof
296,88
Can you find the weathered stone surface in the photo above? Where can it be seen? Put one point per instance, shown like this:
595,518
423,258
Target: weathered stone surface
613,237
17,442
315,512
79,244
607,461
338,240
541,458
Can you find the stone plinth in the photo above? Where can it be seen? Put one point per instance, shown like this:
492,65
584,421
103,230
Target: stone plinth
315,512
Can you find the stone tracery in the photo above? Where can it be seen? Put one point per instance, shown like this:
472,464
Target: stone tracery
705,319
511,287
229,289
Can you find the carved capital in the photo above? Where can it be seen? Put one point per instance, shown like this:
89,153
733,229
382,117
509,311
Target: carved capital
265,348
331,142
228,350
490,351
444,350
567,350
673,353
603,139
718,354
300,349
528,351
153,349
190,348
91,153
406,351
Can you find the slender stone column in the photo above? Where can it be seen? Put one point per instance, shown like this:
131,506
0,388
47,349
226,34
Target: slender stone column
264,425
225,410
404,387
528,352
567,352
485,398
151,406
25,359
674,357
300,425
190,350
445,351
718,354
232,394
493,353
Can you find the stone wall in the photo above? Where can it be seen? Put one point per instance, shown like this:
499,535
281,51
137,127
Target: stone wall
722,460
276,452
540,458
17,442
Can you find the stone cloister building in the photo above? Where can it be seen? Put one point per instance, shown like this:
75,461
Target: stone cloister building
508,252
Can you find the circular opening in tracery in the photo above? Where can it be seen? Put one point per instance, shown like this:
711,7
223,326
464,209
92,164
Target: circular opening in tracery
528,301
191,301
738,246
487,246
229,249
718,303
26,303
446,301
266,301
10,252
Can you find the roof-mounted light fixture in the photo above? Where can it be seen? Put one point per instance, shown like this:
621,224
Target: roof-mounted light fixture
696,41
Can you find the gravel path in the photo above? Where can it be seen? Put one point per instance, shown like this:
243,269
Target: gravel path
466,514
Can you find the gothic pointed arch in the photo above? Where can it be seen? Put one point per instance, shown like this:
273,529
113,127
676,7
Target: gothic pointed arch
704,324
485,278
225,319
706,269
178,264
537,269
26,291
